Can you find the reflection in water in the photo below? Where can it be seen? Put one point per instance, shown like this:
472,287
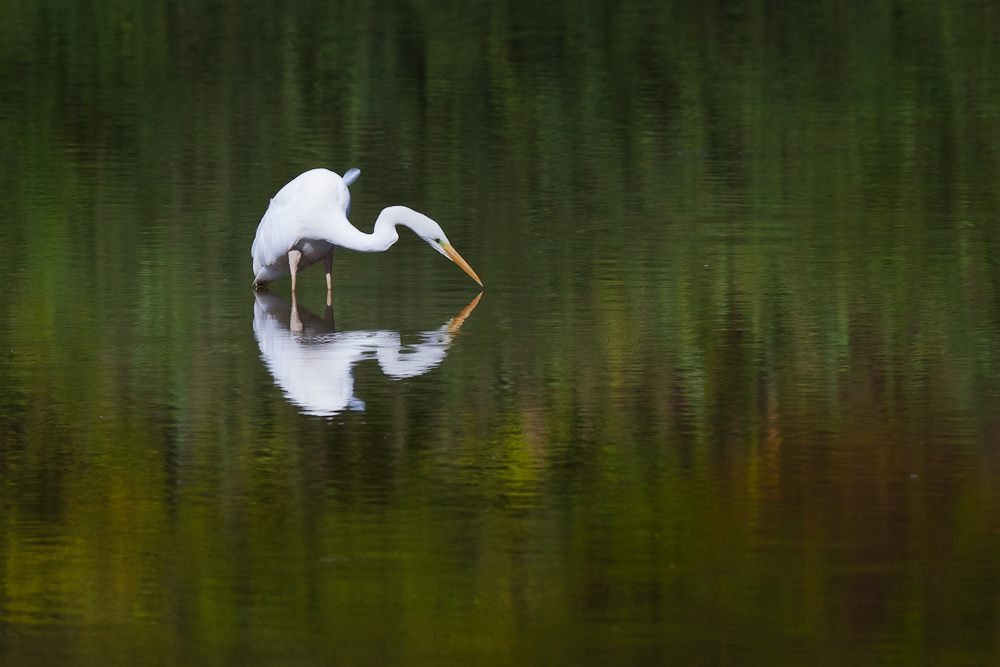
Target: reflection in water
313,363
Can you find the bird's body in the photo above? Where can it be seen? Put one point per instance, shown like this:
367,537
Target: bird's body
307,219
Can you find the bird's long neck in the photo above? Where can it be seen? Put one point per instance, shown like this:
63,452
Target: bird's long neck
381,238
384,234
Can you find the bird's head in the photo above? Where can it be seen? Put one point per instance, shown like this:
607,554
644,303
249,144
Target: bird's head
432,233
440,243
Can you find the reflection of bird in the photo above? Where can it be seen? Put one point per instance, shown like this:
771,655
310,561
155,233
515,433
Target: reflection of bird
314,364
308,218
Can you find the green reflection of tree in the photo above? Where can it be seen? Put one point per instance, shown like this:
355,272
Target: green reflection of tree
748,255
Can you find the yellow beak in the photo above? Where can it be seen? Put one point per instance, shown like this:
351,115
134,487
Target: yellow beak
455,257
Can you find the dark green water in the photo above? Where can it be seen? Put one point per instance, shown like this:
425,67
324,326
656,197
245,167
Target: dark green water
731,394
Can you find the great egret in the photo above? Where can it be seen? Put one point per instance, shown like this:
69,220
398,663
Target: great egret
308,218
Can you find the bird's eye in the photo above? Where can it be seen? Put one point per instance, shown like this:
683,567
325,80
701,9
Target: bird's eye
437,240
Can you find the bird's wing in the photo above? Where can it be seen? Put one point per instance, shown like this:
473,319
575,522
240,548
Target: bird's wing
278,229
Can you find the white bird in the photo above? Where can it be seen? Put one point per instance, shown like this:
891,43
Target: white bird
308,218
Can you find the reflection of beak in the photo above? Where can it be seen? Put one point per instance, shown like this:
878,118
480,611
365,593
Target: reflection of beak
456,322
455,257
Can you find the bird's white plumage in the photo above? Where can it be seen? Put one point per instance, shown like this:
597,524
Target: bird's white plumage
304,216
308,218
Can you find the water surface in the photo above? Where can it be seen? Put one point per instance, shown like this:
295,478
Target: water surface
730,394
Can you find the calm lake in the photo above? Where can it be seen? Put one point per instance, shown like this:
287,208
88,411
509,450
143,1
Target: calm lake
730,394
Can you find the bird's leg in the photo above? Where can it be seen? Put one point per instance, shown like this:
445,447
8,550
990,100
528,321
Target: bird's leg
293,264
328,265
